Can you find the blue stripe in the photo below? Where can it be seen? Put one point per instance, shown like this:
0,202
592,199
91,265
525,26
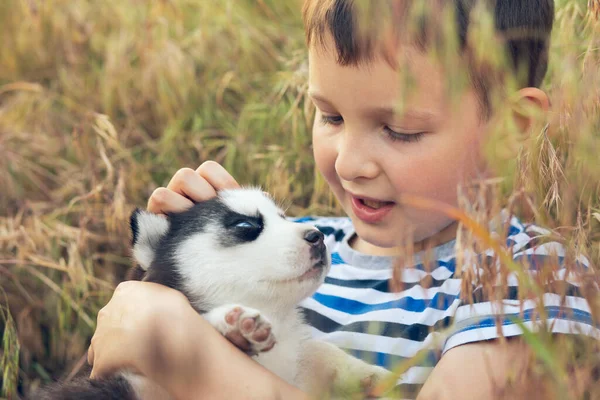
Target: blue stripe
533,261
382,359
519,225
336,259
441,301
564,313
513,230
387,360
536,261
303,219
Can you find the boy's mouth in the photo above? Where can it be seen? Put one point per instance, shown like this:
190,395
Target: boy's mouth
375,204
371,210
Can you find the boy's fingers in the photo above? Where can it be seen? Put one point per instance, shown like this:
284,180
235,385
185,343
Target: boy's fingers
190,184
164,201
90,355
104,365
95,373
217,176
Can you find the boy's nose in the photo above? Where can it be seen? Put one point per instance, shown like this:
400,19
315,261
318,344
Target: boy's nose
353,159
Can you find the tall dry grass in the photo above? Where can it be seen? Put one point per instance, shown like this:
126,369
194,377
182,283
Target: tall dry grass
101,102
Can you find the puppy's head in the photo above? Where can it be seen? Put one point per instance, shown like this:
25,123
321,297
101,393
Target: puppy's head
237,247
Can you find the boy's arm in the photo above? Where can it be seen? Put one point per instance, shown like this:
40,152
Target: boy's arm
231,374
483,370
224,372
153,331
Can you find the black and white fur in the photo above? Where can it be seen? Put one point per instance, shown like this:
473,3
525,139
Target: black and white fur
245,268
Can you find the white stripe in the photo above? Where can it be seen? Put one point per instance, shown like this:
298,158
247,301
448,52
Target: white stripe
521,239
381,344
547,249
514,221
372,296
428,317
487,333
345,271
539,230
582,259
409,275
515,306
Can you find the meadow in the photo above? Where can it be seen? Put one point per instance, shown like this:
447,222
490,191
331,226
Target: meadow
102,102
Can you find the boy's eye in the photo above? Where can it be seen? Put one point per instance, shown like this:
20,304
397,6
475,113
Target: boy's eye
403,137
331,120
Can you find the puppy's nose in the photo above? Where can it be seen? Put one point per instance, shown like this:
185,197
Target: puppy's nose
314,237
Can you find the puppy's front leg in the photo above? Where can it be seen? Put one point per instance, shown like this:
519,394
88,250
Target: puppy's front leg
326,367
245,327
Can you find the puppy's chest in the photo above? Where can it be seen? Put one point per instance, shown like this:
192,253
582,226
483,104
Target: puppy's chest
283,359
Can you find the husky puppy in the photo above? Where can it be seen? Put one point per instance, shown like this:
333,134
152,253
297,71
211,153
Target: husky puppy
245,268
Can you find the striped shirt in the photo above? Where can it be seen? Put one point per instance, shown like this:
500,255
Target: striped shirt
357,309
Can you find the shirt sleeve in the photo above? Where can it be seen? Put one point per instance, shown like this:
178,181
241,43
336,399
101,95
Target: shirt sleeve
560,307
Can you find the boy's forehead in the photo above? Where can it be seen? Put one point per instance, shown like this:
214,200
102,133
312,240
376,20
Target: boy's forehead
376,86
402,59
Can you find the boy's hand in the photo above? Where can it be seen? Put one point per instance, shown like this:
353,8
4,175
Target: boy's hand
141,329
188,187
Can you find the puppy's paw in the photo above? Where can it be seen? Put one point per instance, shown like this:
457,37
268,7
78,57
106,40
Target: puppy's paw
325,368
243,326
372,377
362,379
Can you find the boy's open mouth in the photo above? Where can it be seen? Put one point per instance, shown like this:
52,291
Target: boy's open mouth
375,204
371,210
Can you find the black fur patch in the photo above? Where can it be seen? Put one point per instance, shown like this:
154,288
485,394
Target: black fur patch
136,273
133,225
235,234
116,388
193,221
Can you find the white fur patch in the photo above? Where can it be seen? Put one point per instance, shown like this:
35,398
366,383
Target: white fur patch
151,228
249,201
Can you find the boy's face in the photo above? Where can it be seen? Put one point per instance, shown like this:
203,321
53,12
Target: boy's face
365,151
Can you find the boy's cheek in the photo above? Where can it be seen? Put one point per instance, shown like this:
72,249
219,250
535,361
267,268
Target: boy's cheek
325,155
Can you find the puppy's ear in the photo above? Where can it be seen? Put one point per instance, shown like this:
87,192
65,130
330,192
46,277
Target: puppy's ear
147,229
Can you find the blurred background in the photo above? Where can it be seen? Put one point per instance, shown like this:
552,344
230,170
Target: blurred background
101,102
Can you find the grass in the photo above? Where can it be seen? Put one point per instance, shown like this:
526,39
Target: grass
101,102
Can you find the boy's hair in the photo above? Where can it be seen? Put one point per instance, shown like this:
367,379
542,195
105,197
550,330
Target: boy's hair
524,26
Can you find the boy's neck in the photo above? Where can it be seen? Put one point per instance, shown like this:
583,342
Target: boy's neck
443,236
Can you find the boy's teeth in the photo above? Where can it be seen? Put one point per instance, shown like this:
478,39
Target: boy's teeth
373,204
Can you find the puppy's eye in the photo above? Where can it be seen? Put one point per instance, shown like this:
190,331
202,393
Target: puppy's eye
245,224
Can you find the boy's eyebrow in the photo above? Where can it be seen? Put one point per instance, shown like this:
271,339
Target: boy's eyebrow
385,112
409,113
316,96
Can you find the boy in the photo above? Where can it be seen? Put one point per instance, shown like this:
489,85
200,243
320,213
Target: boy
370,154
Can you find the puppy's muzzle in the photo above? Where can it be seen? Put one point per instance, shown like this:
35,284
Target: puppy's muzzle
317,246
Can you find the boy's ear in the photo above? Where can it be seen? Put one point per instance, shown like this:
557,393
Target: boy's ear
531,105
147,229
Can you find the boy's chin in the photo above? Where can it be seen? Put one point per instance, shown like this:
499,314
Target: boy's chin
398,238
381,236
